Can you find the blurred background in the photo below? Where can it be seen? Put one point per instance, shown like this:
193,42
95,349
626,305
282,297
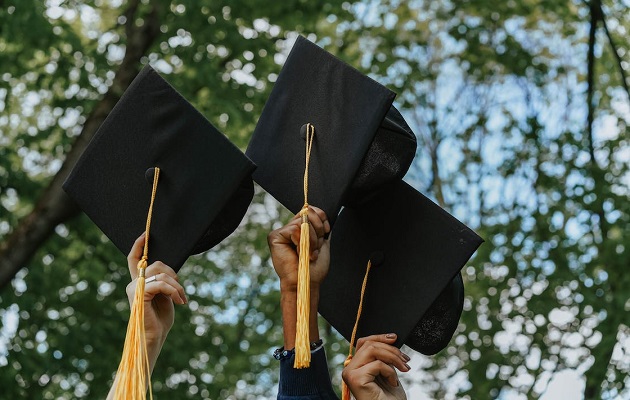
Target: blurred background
521,108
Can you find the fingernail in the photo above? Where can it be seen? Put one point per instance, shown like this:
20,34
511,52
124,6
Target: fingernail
405,357
408,367
395,384
390,336
326,226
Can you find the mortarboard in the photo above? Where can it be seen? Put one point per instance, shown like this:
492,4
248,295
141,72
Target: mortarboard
156,152
361,141
328,136
205,183
414,287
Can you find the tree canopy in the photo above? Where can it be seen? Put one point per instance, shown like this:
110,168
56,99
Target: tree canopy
521,109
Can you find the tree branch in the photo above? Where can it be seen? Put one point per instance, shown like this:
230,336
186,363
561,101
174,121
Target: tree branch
590,77
54,206
624,78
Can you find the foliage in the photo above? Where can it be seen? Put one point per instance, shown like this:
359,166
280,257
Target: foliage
496,93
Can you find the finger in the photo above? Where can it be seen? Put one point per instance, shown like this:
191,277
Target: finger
291,233
164,273
359,379
287,235
388,338
159,267
323,218
313,239
316,217
135,254
383,372
372,351
163,287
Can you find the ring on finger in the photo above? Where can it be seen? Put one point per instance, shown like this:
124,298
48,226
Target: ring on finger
151,279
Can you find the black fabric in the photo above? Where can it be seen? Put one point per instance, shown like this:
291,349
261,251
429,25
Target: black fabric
203,175
228,218
422,249
348,110
437,325
312,383
387,159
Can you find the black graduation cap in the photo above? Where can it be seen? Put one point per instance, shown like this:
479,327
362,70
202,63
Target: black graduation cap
361,141
204,186
414,287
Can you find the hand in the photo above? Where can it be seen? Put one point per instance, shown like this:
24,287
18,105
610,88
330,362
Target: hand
284,243
159,296
371,374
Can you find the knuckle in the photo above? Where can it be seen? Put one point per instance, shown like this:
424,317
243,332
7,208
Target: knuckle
345,374
349,376
270,237
130,287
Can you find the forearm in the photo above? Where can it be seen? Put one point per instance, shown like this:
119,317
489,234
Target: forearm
288,303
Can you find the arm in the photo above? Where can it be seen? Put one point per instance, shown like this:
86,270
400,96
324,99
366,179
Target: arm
283,244
159,296
314,382
371,374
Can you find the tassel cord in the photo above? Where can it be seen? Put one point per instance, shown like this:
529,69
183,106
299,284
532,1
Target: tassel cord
345,390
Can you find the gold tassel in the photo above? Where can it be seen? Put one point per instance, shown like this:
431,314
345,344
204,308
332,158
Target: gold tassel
345,391
302,343
133,373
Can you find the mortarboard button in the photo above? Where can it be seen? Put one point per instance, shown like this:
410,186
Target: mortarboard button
377,258
205,183
149,175
361,141
416,291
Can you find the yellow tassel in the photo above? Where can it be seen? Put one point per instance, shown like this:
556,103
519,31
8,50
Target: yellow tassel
345,390
133,373
302,343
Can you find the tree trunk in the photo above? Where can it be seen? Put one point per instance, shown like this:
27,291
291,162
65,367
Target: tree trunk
602,353
54,206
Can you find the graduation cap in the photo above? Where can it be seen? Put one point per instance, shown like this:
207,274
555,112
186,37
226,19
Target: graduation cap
360,140
205,183
156,152
414,287
328,136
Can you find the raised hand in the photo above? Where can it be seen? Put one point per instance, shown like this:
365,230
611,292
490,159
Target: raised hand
371,375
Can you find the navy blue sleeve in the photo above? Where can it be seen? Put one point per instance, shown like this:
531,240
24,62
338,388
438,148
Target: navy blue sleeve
311,383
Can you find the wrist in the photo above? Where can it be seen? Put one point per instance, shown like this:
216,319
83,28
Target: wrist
154,347
292,286
288,285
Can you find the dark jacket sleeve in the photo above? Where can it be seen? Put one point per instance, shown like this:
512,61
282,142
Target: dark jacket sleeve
311,383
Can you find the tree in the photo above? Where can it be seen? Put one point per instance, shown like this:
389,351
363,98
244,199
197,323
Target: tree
69,63
510,141
521,109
